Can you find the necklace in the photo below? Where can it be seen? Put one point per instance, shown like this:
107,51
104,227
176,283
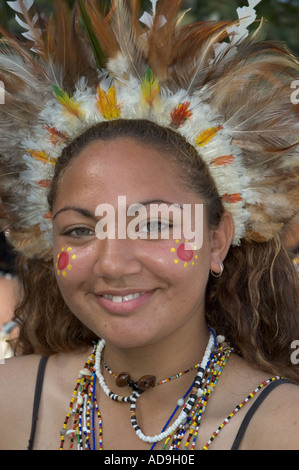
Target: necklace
84,417
192,424
124,378
132,399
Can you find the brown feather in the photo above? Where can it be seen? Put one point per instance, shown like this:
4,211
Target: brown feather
162,37
130,39
102,27
35,28
68,52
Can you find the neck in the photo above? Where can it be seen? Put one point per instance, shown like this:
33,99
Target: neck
161,359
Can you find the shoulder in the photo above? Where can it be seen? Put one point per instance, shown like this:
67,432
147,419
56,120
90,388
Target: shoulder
275,424
16,373
17,385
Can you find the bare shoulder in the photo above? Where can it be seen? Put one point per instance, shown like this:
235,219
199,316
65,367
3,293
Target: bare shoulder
17,377
275,426
18,365
17,384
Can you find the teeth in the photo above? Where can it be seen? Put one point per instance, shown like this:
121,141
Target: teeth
126,298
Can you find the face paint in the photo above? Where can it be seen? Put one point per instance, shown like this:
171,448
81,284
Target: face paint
63,261
184,253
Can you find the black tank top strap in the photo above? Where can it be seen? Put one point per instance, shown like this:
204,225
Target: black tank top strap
249,415
37,397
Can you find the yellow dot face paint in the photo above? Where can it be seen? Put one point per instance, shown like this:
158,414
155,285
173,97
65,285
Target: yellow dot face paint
185,253
64,259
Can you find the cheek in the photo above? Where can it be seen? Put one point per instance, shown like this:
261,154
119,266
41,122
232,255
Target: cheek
186,273
72,268
65,261
173,260
73,263
184,254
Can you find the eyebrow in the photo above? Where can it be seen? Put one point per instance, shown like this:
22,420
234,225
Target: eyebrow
80,210
156,201
87,213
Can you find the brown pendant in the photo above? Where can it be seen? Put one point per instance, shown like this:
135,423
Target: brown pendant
123,379
145,382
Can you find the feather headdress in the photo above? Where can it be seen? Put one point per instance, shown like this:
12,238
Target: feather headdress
225,91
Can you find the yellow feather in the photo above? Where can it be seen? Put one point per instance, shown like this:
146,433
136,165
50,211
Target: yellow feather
70,104
207,135
107,103
42,156
150,87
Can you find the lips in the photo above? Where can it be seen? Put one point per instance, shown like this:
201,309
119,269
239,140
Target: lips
123,302
126,298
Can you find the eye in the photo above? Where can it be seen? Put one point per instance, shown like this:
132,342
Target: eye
154,226
80,232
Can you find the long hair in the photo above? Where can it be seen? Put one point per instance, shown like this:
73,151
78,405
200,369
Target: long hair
254,304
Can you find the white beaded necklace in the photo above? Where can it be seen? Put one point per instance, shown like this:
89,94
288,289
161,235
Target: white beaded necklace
187,405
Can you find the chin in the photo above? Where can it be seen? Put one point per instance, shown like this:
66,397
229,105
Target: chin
127,339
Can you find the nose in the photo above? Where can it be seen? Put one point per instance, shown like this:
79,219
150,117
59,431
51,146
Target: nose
116,258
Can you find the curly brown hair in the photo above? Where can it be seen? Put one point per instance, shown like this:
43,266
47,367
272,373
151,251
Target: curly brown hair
255,303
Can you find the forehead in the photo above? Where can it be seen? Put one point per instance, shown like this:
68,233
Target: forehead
108,169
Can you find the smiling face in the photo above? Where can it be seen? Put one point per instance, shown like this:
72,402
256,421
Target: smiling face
130,291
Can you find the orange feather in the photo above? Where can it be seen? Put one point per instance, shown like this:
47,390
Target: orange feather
223,160
231,198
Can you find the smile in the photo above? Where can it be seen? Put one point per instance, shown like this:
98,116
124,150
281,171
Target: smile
126,298
126,303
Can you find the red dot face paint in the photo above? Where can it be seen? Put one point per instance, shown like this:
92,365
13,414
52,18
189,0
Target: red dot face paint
64,260
185,252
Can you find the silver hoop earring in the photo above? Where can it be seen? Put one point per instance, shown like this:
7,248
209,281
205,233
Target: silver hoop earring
221,271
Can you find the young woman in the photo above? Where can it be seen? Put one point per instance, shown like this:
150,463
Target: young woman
133,335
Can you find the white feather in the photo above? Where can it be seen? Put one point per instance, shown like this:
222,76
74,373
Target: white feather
16,6
16,66
154,6
28,34
246,15
31,31
148,19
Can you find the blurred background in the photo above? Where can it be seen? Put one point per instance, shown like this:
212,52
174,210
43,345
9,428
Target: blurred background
281,16
9,290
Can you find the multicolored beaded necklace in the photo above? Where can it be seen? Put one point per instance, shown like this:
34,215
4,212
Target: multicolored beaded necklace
85,411
83,423
138,390
119,377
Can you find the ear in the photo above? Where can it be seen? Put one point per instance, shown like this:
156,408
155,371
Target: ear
221,239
